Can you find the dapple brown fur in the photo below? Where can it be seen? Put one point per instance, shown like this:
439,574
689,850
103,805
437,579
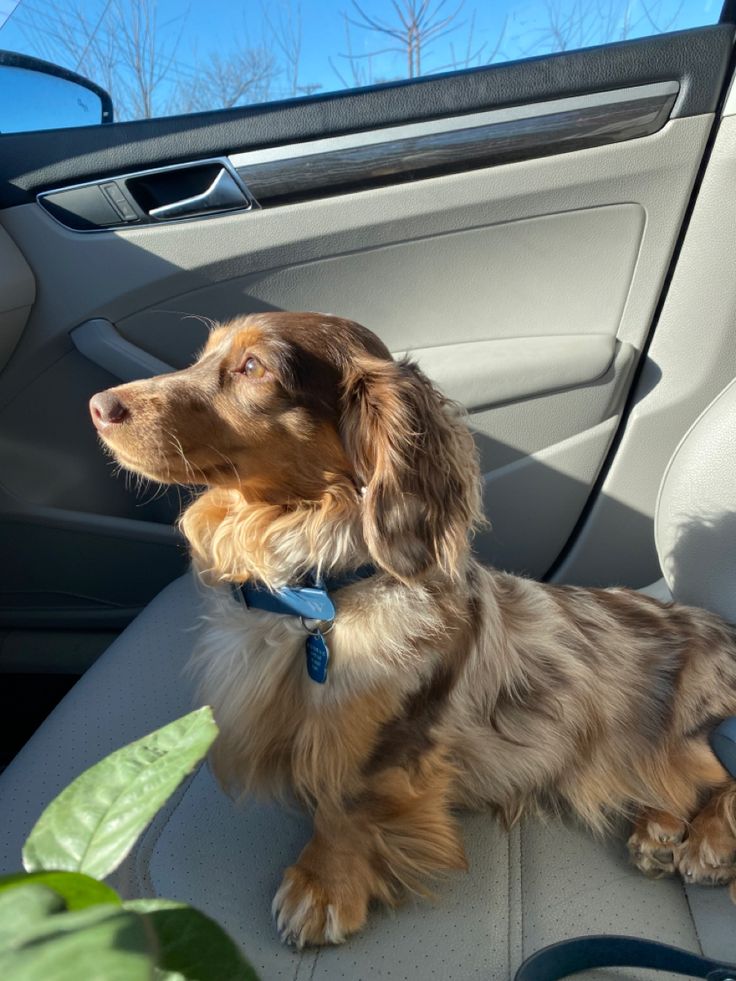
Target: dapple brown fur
450,684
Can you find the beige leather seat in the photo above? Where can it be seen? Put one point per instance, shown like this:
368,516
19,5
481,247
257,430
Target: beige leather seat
537,885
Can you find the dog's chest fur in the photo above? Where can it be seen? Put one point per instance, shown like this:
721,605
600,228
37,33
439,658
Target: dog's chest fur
283,732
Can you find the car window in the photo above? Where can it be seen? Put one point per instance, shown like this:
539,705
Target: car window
162,57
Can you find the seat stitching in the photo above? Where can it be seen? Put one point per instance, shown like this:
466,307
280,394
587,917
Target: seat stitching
521,892
508,901
150,838
314,966
694,918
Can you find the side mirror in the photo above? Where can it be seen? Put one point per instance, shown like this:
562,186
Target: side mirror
36,95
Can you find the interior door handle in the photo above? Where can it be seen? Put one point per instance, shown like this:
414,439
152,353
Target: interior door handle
221,195
181,191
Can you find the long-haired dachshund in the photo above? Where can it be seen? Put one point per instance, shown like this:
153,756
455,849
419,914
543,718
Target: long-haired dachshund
420,681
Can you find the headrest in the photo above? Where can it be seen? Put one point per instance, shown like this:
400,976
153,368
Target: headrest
695,517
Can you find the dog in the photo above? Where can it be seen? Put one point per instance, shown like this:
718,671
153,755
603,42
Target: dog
441,684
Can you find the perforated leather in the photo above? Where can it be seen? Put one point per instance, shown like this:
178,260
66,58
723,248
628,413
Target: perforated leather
695,522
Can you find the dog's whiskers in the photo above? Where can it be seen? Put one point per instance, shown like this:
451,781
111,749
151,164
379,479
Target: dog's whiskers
226,459
189,467
208,322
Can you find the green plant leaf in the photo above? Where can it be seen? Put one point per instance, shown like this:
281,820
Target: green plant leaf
104,943
77,890
93,824
191,945
23,909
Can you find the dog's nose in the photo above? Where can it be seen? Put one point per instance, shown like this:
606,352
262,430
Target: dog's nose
106,409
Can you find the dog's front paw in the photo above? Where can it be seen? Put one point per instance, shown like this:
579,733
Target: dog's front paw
308,913
654,844
708,856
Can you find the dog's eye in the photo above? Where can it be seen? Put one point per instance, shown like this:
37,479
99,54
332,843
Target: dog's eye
253,368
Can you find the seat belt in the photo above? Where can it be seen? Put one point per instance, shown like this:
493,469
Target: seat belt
567,957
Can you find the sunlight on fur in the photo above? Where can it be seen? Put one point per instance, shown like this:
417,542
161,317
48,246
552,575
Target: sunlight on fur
450,685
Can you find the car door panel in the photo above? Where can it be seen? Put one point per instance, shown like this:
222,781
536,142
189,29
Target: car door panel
689,361
285,174
17,293
526,288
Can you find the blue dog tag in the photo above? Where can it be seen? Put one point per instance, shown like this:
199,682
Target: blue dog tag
318,657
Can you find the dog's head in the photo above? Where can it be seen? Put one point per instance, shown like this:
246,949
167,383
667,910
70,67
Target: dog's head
295,410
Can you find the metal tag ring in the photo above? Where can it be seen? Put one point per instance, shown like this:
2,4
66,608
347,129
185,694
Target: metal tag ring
317,630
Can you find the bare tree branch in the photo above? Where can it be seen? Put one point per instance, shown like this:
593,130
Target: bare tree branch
243,77
126,47
573,24
651,12
412,24
129,48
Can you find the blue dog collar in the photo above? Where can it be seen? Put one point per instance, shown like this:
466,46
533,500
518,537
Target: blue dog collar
308,601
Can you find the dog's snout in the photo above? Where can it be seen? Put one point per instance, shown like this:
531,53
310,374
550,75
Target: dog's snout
106,409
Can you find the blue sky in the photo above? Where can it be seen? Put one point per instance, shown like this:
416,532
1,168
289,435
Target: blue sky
511,28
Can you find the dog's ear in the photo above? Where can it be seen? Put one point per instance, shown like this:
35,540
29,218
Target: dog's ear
418,464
